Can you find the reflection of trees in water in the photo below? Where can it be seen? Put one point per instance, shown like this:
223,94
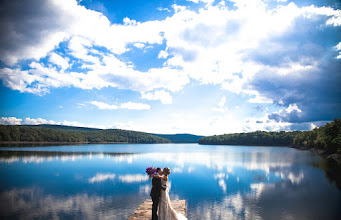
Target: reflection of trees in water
332,171
31,203
292,182
41,156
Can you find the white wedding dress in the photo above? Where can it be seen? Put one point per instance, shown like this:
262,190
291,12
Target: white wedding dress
166,211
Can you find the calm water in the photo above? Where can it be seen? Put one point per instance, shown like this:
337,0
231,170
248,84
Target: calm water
218,182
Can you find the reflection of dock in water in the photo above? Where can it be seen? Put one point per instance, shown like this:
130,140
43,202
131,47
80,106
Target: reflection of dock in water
144,211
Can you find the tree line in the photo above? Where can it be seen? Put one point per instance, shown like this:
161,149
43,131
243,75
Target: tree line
257,138
327,138
41,134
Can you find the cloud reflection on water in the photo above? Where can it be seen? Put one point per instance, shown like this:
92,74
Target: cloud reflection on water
132,178
100,177
33,203
232,185
224,163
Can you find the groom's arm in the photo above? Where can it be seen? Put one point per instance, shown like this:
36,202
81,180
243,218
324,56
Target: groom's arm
158,176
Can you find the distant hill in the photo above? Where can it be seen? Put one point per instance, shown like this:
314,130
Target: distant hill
64,127
57,133
181,138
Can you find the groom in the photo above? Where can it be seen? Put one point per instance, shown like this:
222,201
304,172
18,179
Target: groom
155,193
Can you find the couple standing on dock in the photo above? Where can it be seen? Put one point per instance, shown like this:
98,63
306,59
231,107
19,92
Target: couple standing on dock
162,208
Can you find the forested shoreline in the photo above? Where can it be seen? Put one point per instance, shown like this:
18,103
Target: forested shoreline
30,134
325,140
257,138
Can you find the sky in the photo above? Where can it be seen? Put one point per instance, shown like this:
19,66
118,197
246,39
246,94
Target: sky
171,66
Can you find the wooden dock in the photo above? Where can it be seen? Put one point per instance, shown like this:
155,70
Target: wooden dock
144,211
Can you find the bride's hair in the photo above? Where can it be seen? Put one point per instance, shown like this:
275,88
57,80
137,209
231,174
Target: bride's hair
166,170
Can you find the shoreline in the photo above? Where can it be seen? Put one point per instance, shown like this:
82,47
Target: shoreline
63,143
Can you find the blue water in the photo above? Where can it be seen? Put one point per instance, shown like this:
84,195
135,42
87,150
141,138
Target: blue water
217,182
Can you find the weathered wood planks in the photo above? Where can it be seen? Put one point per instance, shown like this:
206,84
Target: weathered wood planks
144,211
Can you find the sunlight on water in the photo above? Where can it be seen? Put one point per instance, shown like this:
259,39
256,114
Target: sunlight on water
217,182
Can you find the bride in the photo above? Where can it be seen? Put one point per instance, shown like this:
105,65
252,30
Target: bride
166,211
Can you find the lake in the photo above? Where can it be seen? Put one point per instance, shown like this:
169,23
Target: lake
108,181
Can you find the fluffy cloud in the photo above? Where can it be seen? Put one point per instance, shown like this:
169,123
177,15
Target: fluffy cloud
10,121
136,106
36,121
161,95
272,54
290,114
127,105
221,105
287,119
59,61
259,52
100,177
102,105
260,99
204,1
133,178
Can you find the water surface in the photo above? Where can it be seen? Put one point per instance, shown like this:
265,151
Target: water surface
217,182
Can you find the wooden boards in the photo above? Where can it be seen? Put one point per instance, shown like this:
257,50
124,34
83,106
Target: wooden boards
144,211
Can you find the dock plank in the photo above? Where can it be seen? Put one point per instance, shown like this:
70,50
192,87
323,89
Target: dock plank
144,211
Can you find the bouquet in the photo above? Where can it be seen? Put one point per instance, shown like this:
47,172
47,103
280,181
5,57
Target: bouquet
150,171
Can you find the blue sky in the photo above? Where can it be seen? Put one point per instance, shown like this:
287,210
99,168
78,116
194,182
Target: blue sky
201,66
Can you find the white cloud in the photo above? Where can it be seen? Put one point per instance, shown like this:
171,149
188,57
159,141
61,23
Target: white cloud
204,1
33,121
139,45
134,105
222,185
221,105
80,105
215,45
127,105
124,125
260,99
338,48
163,54
178,8
295,179
101,177
163,9
20,80
290,114
161,95
102,105
219,176
77,124
145,189
10,121
26,121
214,40
59,61
222,102
133,178
37,121
177,170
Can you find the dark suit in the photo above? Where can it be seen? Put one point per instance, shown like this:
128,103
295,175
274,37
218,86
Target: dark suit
155,194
